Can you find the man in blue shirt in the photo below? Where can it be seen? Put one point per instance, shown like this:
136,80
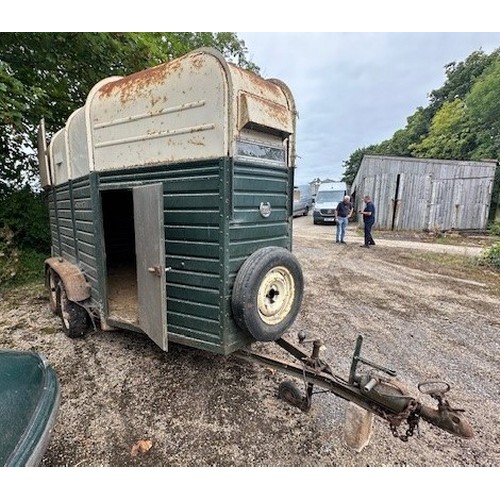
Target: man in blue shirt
368,220
344,211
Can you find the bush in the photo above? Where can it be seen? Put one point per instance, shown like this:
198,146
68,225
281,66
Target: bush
24,237
25,215
18,267
494,228
491,256
9,256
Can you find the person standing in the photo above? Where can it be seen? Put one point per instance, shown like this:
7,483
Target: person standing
344,212
368,220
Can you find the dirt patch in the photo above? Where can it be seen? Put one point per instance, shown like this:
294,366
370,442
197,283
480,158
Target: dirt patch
422,316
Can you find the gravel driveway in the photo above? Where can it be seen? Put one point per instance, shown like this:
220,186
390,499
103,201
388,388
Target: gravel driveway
191,408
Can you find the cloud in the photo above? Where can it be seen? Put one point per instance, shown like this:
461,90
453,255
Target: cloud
356,89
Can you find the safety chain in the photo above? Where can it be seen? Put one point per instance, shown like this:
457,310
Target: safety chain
411,415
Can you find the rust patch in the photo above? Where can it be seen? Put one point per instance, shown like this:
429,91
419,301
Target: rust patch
264,86
138,83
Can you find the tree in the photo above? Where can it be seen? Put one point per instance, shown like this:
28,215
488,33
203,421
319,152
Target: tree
483,108
351,166
460,78
449,137
50,74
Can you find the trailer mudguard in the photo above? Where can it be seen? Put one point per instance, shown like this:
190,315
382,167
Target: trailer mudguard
75,284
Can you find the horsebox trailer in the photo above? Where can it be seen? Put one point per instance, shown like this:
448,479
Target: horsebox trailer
170,197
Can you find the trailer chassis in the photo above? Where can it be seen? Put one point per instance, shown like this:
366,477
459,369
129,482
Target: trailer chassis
377,391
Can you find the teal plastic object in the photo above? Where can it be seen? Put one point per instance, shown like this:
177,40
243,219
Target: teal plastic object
29,404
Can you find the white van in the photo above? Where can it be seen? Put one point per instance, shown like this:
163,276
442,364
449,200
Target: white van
302,200
328,196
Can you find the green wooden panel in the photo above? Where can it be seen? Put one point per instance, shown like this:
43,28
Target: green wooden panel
193,323
201,184
197,279
177,217
193,233
253,200
87,248
84,226
252,216
192,294
192,248
264,231
195,202
194,264
185,307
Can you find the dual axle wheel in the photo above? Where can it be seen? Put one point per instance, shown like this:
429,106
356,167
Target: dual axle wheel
74,318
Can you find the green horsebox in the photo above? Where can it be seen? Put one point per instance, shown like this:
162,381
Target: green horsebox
170,196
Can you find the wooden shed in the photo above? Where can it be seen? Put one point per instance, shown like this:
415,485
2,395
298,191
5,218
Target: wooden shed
426,194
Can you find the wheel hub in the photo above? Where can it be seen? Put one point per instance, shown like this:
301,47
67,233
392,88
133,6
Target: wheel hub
275,295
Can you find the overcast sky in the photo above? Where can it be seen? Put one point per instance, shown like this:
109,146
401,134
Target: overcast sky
356,89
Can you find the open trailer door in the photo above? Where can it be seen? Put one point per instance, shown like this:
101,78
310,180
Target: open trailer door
43,161
150,255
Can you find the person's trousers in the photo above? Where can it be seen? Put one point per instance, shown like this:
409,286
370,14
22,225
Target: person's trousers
368,232
341,226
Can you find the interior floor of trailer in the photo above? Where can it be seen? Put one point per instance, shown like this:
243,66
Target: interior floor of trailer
122,294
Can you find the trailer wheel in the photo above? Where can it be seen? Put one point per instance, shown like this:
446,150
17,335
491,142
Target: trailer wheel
289,392
53,286
267,293
73,316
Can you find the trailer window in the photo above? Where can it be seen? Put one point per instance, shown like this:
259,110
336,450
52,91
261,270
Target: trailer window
261,152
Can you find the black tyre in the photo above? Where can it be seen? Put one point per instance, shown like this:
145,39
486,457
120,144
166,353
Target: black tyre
267,293
290,393
53,287
74,317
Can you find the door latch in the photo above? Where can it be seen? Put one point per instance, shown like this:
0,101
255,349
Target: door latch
156,270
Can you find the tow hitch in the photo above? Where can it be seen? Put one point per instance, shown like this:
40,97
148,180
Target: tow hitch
376,390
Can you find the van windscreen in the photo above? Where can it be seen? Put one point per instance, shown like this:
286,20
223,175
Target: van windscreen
329,196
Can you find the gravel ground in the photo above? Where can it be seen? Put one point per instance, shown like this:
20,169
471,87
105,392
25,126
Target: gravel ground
418,316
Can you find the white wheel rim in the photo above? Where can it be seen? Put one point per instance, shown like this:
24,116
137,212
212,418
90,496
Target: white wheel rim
52,286
64,313
275,295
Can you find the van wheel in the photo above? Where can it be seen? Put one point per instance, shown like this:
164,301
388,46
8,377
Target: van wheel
73,316
53,286
267,293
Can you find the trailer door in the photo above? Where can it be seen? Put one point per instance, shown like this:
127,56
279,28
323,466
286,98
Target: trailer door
150,255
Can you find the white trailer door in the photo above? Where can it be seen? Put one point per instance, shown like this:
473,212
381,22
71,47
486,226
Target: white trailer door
150,255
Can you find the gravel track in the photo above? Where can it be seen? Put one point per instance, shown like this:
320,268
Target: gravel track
199,409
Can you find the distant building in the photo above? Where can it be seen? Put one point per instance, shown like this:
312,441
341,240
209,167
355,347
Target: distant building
426,194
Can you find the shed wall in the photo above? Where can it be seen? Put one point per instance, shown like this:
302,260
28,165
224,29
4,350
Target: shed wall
418,194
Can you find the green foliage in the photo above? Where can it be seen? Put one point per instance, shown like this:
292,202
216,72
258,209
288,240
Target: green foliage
461,77
449,136
19,267
24,217
48,75
491,256
9,256
483,107
494,228
351,166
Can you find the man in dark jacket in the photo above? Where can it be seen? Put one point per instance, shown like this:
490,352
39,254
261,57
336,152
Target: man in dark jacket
344,212
368,220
